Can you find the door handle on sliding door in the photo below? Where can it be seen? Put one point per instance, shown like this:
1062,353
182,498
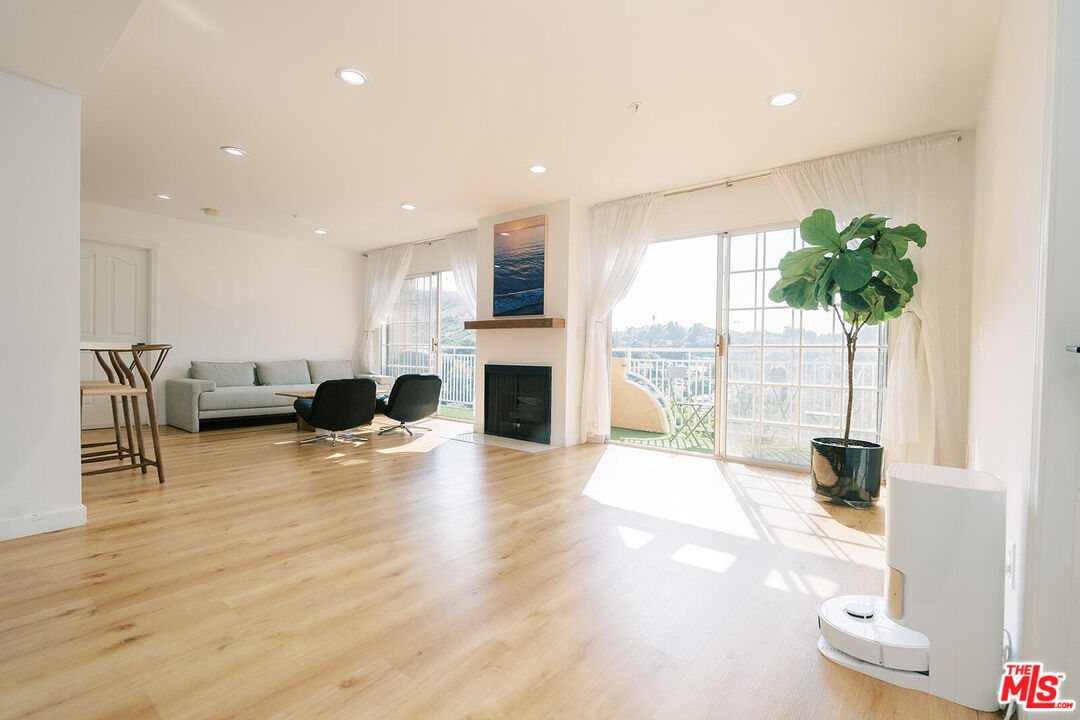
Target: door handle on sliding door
719,346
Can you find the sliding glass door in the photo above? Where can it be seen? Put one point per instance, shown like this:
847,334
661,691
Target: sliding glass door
457,351
665,349
704,362
425,333
412,330
784,368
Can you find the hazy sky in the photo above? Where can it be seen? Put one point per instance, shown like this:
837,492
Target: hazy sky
677,282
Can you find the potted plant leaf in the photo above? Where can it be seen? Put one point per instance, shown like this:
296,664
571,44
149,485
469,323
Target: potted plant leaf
861,274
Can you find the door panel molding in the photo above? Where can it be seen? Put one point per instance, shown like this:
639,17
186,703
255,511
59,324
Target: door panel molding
124,283
153,249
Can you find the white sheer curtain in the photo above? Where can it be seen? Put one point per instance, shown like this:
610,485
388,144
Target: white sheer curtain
384,273
462,249
621,232
920,180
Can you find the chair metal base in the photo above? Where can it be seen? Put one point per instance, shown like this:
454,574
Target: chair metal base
406,428
334,438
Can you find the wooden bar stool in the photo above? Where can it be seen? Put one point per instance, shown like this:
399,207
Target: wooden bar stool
115,391
127,391
115,448
148,383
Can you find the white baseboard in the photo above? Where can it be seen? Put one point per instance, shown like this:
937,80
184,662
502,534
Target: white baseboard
11,528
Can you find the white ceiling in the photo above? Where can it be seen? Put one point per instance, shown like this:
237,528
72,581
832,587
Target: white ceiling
61,43
464,96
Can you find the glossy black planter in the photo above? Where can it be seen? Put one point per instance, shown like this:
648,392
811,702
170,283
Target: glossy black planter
850,475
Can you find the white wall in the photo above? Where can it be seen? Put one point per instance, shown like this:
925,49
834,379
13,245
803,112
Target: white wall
227,295
40,484
1009,150
562,349
1052,589
743,206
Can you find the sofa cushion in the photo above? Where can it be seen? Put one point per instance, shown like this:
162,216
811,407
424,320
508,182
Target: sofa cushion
255,396
286,372
224,374
323,370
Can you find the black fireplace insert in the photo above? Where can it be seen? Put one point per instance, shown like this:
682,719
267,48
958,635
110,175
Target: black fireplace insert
517,402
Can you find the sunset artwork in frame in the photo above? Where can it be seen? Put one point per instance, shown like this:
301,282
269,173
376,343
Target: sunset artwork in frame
520,250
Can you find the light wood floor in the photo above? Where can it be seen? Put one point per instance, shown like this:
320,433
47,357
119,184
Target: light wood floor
430,578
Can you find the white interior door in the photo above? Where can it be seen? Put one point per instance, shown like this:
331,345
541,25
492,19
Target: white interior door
114,303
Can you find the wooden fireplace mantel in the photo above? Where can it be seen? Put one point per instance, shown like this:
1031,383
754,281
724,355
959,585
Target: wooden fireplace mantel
515,323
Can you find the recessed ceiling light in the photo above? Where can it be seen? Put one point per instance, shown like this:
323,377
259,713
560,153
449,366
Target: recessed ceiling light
782,99
163,196
408,206
538,169
504,234
352,76
321,231
231,150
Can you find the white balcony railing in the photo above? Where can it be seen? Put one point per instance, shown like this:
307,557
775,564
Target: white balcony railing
457,368
697,381
458,372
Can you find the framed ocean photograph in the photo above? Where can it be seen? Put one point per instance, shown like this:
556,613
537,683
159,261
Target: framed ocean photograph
520,249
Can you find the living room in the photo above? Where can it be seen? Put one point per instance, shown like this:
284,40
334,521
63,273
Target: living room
564,360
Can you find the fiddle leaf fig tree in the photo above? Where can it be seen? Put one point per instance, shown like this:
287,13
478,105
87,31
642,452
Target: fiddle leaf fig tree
860,273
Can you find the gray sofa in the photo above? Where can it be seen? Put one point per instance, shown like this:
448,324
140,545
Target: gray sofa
218,390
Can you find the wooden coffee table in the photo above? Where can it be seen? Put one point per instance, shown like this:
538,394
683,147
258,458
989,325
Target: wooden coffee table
301,423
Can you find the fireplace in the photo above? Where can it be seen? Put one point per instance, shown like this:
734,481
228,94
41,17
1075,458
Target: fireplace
517,402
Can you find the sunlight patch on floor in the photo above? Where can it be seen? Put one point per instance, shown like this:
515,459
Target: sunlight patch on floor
771,506
775,580
804,584
418,444
705,558
671,487
633,538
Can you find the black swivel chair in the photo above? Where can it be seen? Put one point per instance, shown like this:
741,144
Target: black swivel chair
338,405
413,397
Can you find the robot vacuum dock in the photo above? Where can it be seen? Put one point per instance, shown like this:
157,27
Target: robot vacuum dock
939,626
